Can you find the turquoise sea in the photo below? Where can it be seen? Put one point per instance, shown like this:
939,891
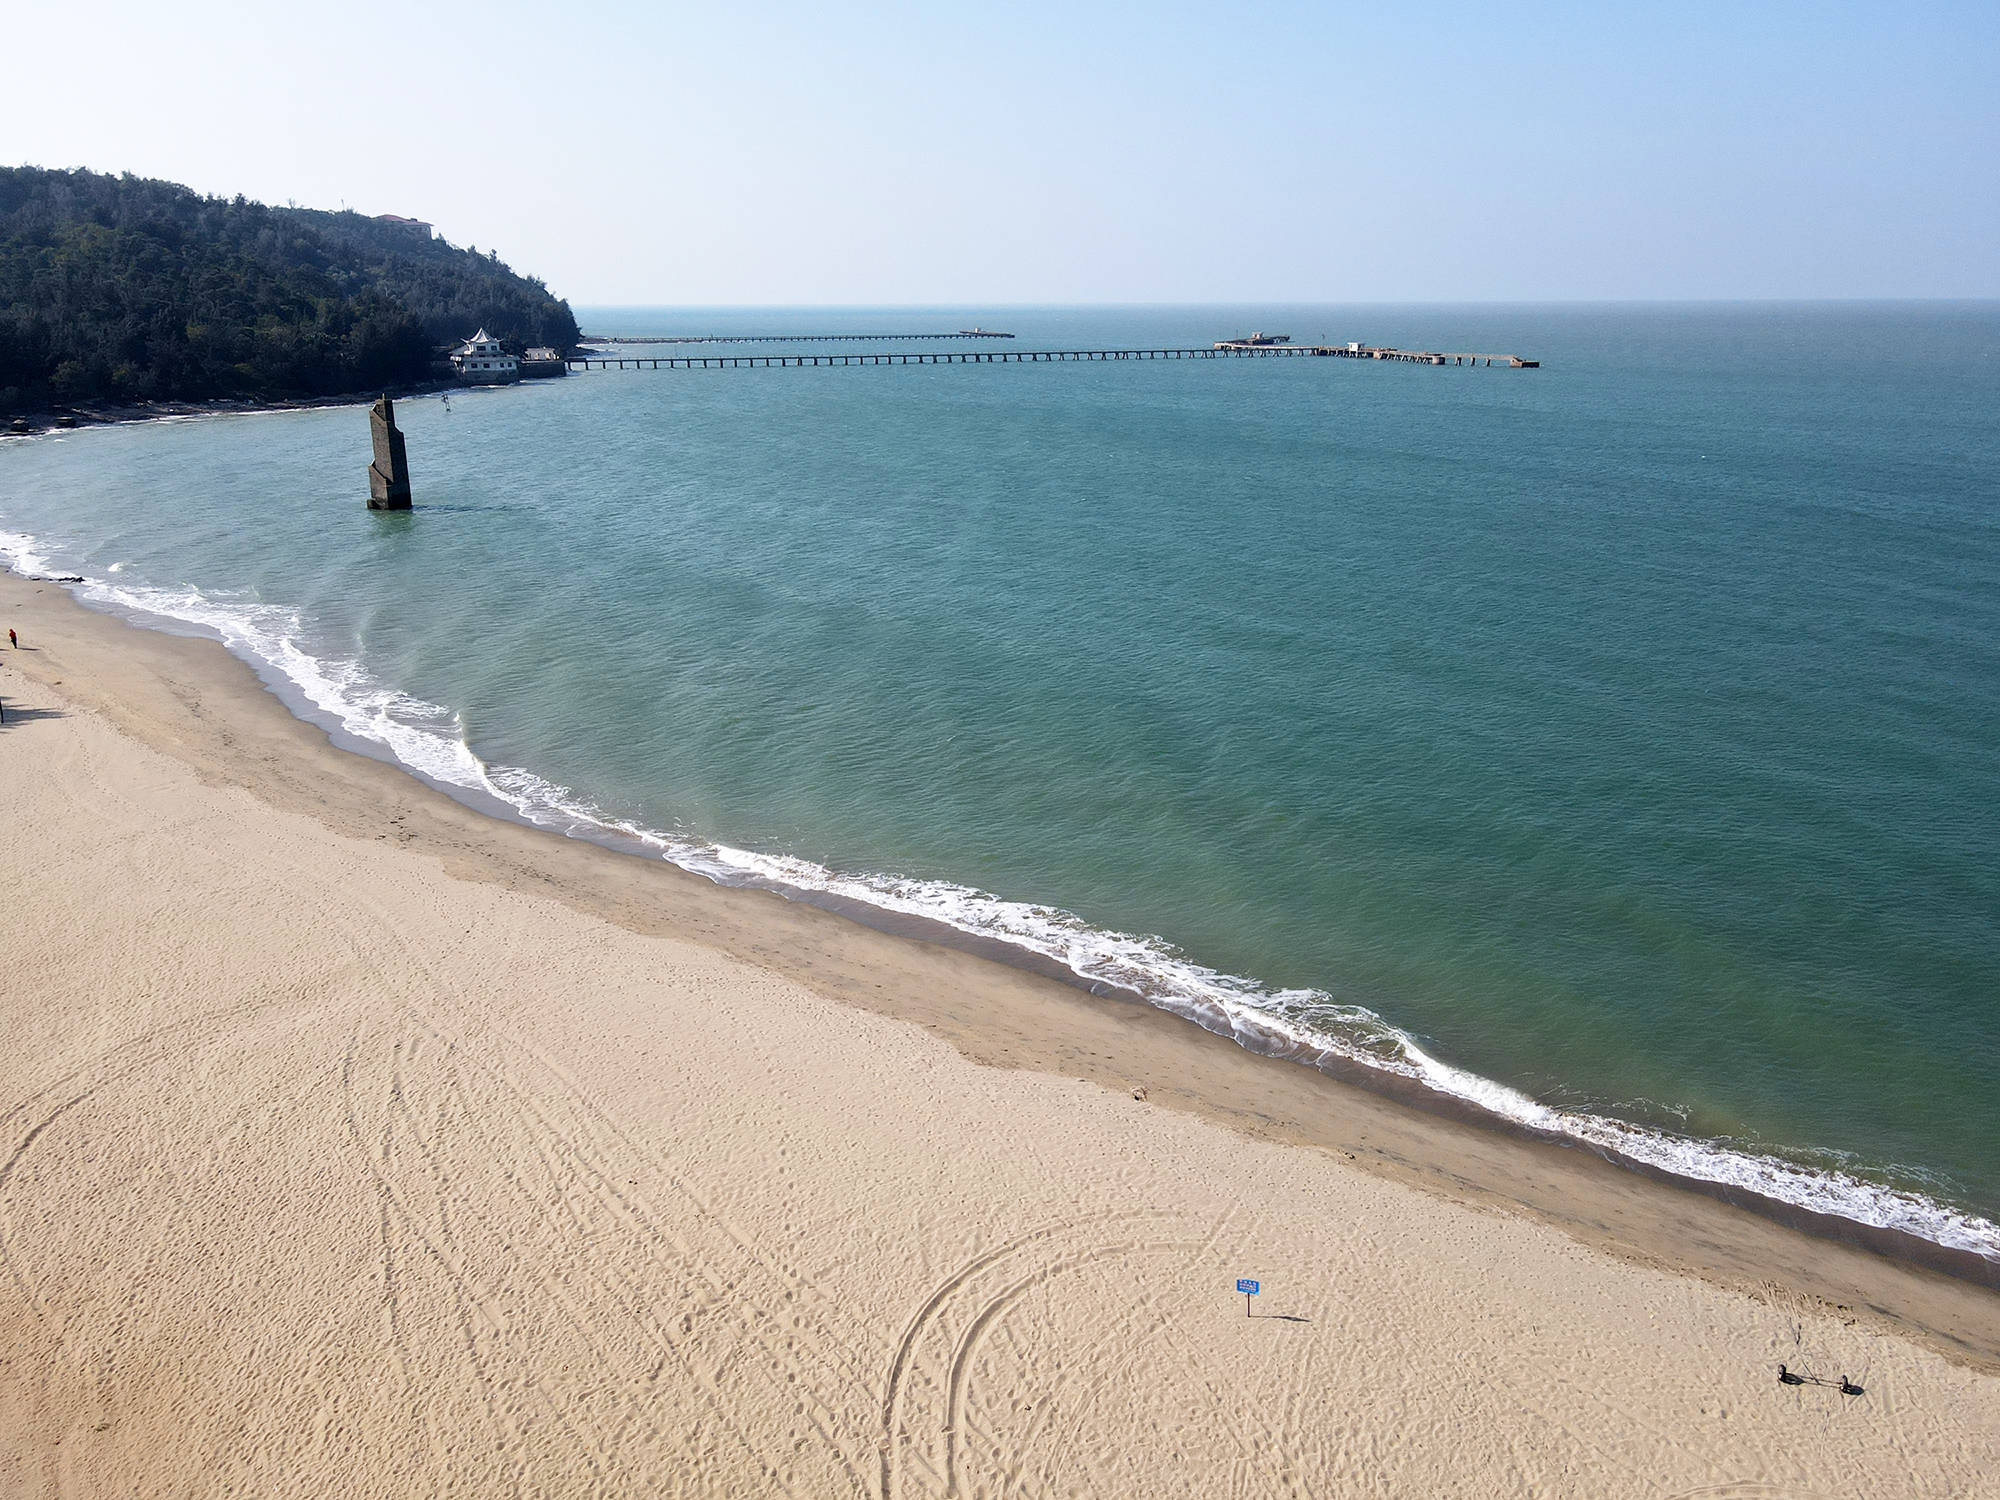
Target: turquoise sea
1614,744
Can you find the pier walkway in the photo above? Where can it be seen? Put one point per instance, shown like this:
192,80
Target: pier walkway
1031,356
793,338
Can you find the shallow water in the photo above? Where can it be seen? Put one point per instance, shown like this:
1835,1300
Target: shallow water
1614,742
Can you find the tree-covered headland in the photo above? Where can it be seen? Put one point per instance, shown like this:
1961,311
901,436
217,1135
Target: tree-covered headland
130,289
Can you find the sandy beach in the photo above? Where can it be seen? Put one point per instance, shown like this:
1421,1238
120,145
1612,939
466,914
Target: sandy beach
354,1143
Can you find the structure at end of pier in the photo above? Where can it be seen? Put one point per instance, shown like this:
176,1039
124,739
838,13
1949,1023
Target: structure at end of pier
389,474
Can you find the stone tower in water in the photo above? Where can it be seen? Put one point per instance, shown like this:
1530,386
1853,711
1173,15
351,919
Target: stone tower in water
389,475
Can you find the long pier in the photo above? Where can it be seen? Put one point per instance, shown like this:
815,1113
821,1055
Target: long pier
1033,356
1385,351
794,338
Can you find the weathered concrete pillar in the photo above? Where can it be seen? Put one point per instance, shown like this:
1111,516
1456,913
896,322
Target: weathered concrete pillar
389,475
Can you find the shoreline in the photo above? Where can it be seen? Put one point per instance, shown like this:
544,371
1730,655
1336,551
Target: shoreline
1786,1194
1035,1017
354,1142
120,413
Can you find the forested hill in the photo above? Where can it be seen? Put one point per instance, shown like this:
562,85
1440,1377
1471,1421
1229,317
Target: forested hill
125,288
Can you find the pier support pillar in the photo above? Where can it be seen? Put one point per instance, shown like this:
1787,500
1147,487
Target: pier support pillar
389,474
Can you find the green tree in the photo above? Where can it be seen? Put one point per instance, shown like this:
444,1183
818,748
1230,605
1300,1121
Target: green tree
129,288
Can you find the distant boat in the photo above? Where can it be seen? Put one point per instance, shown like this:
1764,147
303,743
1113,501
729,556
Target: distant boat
982,333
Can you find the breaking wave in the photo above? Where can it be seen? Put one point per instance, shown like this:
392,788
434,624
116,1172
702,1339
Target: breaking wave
1307,1024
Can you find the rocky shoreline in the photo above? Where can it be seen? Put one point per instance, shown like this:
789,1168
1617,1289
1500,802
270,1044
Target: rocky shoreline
103,413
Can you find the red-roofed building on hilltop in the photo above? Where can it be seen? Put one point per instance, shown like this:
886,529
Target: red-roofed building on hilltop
415,226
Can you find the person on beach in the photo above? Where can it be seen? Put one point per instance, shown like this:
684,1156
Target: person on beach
12,639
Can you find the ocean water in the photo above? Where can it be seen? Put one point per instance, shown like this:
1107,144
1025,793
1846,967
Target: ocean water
1615,744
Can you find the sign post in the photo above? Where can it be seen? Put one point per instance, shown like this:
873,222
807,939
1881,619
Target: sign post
1248,1289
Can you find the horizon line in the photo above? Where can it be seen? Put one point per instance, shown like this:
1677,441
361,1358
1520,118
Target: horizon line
1870,300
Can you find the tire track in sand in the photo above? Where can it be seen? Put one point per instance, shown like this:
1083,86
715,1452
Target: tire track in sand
959,1373
1073,1244
580,1149
29,1122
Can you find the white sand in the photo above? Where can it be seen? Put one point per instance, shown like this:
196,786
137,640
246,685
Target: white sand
334,1163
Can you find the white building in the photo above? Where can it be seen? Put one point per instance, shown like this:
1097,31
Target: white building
481,361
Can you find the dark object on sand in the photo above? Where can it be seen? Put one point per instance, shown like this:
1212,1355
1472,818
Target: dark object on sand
1845,1386
389,474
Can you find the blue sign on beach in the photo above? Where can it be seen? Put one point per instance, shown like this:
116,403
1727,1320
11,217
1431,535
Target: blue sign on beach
1247,1288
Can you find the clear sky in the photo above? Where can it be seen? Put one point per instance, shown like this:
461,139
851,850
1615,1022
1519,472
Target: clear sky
828,152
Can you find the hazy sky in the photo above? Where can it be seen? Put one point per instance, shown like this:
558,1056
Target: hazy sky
1075,152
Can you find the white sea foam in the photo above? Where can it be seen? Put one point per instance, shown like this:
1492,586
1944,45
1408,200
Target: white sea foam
23,553
1308,1024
